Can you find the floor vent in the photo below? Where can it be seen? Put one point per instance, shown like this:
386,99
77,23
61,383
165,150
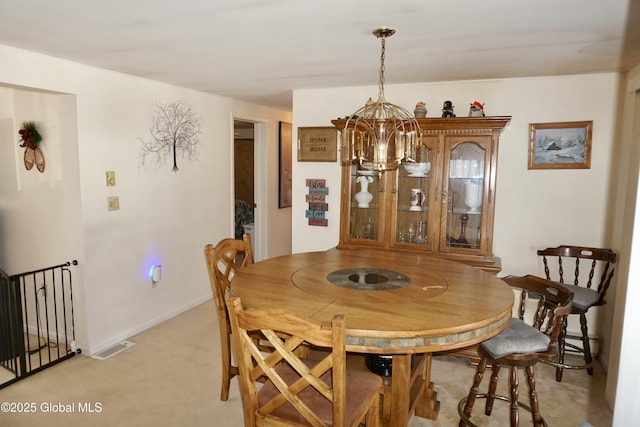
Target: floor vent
105,354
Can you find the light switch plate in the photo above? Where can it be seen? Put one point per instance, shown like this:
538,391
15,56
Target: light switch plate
113,203
111,178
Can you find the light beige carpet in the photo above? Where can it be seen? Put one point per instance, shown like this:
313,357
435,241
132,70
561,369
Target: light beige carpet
171,377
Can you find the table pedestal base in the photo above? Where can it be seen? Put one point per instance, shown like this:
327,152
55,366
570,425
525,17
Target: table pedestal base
408,391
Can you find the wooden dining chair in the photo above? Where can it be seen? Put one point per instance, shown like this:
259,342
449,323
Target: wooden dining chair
299,391
588,275
521,345
223,261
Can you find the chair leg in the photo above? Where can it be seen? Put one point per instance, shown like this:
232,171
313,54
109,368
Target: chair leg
588,360
227,373
533,398
473,391
561,348
513,383
493,384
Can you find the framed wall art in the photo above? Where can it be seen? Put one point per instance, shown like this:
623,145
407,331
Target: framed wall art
560,145
285,178
317,144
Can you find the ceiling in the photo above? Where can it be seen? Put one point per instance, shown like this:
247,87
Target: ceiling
259,51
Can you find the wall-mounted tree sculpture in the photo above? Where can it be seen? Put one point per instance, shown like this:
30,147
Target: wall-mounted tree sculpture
175,131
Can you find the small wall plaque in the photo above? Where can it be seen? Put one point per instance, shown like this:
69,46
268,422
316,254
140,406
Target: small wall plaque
317,205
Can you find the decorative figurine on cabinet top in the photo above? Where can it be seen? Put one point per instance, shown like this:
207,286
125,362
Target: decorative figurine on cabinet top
476,109
447,109
421,110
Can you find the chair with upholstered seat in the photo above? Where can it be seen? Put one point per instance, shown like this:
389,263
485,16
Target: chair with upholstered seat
223,261
582,264
299,391
521,345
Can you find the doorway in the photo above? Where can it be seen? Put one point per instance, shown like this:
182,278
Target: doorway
244,178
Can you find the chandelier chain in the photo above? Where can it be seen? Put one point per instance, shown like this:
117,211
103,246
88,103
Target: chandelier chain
382,54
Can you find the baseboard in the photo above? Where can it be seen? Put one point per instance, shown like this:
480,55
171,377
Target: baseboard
92,350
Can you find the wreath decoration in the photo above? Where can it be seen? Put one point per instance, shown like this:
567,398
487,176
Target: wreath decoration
30,139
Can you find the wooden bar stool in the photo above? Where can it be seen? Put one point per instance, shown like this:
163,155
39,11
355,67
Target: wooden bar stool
521,346
596,262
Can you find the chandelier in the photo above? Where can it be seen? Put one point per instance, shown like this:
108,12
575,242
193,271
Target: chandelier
380,135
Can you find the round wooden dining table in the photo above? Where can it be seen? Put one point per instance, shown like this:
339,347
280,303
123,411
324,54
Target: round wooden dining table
402,304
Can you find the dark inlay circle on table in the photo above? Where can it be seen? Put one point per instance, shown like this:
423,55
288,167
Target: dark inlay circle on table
368,279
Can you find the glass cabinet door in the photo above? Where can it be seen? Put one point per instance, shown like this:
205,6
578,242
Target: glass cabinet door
465,195
366,207
413,199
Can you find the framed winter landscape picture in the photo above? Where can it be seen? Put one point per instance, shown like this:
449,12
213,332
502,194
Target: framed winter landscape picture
561,145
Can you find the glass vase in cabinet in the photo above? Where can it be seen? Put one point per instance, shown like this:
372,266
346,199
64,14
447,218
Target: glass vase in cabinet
363,200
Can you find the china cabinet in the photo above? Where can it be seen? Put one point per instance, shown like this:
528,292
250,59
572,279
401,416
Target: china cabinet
444,204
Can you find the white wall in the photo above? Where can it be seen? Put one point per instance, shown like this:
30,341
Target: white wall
32,201
623,377
524,221
164,217
534,208
622,388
